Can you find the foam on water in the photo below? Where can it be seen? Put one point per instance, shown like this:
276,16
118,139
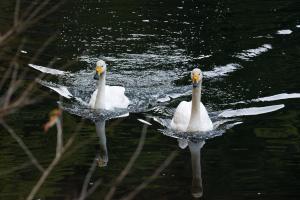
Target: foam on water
251,53
220,126
279,97
144,87
61,90
149,78
284,32
144,122
250,111
47,70
222,120
202,57
86,112
272,98
220,71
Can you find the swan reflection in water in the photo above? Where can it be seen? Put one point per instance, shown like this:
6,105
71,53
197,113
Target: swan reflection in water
102,157
195,147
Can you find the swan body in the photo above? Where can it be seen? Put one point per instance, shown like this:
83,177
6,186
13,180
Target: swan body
105,96
192,116
182,116
114,98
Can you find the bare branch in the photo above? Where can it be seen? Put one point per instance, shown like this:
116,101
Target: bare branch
59,139
17,12
12,170
23,146
46,173
5,77
129,165
87,180
93,188
31,16
54,162
138,189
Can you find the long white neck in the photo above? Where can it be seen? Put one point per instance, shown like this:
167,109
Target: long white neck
195,109
100,98
197,188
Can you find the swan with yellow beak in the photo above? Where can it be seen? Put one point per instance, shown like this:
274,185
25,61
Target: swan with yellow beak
105,96
192,116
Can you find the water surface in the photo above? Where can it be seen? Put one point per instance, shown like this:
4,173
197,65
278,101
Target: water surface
249,54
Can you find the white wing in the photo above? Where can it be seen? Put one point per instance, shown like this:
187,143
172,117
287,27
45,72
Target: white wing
205,123
181,116
93,99
115,97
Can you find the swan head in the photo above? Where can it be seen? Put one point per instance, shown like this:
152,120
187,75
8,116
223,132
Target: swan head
100,69
196,76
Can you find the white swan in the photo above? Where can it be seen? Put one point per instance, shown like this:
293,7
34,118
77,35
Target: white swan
105,96
192,116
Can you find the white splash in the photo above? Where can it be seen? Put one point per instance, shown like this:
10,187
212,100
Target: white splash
164,99
222,70
202,56
141,35
251,111
272,98
284,32
124,115
297,26
217,72
172,96
279,97
62,90
250,53
144,121
47,70
23,51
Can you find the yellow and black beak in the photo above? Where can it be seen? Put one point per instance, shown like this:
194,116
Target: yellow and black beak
195,80
99,71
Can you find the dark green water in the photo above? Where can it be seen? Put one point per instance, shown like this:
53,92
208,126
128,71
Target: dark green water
150,47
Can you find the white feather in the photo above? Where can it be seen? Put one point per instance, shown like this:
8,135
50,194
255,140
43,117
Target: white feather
182,116
114,97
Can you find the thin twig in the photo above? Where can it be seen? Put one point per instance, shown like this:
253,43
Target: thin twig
12,170
5,77
129,165
46,173
54,162
139,188
93,188
17,12
12,86
32,16
23,146
59,138
87,180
